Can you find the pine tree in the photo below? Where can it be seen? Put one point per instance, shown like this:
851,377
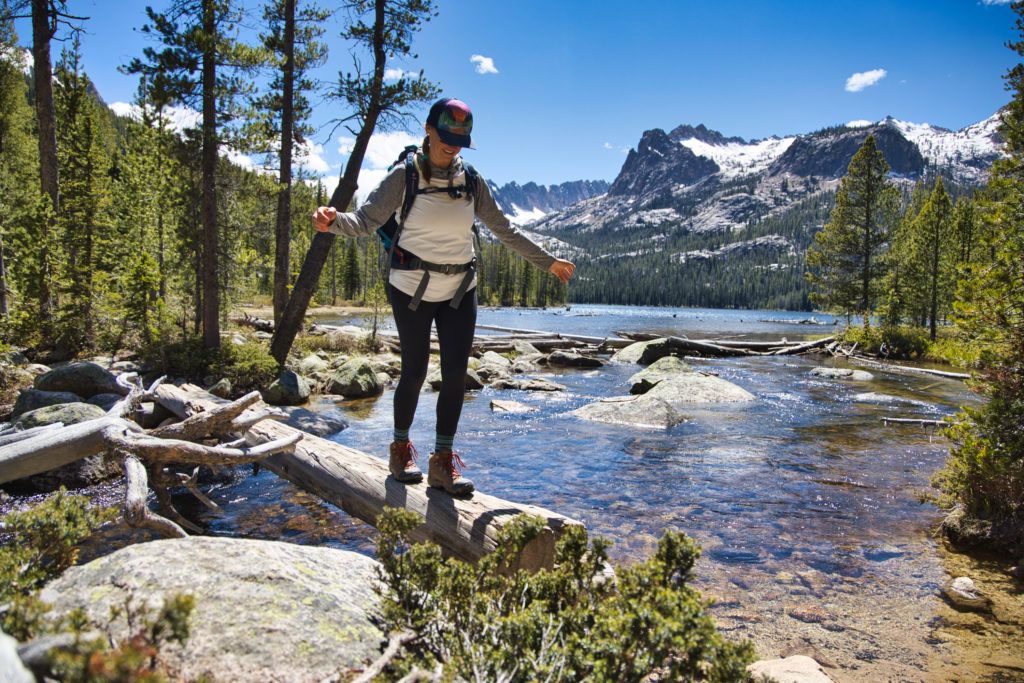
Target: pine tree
201,63
936,250
845,258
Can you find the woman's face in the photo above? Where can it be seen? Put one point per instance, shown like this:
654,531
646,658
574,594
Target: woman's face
441,154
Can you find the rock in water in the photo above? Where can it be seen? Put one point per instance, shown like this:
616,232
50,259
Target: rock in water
573,360
265,611
964,596
355,379
843,373
513,407
289,389
663,369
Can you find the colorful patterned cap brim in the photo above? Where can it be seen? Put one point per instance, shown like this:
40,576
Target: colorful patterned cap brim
453,120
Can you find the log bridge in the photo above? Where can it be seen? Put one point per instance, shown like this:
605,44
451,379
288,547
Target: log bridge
361,485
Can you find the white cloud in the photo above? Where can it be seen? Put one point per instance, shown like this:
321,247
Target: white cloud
309,156
176,118
859,123
607,145
997,2
380,154
396,74
484,65
864,79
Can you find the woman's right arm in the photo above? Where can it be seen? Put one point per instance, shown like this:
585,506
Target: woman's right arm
373,213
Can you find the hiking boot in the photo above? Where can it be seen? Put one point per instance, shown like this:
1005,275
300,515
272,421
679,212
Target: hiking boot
443,473
402,463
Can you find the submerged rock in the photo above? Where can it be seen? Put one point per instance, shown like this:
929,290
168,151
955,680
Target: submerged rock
842,373
963,595
527,384
795,669
264,610
513,407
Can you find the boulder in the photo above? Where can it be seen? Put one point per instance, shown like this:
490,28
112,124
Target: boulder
665,404
12,670
33,399
312,364
38,369
489,373
85,379
221,388
355,379
573,359
842,373
527,384
524,348
795,669
264,610
473,381
528,363
74,475
660,370
68,413
104,401
633,352
121,366
289,389
492,358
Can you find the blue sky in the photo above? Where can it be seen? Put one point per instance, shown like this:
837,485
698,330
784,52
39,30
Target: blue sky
561,89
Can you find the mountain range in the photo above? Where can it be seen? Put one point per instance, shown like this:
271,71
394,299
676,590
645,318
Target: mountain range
692,204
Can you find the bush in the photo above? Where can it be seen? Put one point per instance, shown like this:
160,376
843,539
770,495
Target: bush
487,622
38,545
248,366
893,343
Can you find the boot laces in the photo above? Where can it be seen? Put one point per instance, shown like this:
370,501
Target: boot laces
453,463
407,454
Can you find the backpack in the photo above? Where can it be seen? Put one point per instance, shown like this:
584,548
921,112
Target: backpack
391,231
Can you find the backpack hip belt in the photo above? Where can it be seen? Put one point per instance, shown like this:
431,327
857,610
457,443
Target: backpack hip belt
416,263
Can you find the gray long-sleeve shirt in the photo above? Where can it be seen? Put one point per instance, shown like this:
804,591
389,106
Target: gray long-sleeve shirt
438,228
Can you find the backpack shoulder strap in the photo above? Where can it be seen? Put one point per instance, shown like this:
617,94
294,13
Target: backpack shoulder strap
472,178
412,184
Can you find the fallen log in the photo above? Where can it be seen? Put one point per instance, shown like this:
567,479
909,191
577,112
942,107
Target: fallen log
907,369
361,485
577,337
807,346
49,448
915,421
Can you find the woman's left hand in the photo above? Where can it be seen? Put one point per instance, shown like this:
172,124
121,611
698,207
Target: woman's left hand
562,270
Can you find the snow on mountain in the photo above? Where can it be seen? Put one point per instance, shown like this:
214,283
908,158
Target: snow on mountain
740,158
521,216
970,150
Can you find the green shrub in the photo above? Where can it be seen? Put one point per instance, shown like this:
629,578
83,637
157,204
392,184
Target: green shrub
487,622
248,366
894,343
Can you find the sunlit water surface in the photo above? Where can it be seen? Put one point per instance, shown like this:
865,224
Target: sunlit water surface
815,540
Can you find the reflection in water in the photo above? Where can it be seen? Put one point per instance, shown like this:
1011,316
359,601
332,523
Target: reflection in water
805,504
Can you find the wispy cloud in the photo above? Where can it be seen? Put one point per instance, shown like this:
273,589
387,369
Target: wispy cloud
608,145
484,65
996,2
864,79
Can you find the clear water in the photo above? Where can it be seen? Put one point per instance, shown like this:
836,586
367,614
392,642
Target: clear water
807,507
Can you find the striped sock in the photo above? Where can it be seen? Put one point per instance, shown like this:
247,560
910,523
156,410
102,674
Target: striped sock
443,442
401,435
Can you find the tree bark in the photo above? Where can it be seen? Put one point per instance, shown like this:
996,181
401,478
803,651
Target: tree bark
284,197
44,25
319,249
211,290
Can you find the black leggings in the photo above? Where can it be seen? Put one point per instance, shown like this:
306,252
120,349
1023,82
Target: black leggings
455,330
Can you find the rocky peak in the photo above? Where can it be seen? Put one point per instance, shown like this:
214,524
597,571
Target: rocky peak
657,162
828,156
704,134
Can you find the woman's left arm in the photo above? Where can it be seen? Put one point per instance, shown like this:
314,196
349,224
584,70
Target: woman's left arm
487,210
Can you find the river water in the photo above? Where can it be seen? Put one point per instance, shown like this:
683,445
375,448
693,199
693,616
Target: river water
815,540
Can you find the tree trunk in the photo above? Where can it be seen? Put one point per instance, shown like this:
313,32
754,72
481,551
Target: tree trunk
211,290
3,282
306,283
284,197
44,25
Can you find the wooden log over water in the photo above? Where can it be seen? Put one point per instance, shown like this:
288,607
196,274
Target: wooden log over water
608,342
915,421
360,485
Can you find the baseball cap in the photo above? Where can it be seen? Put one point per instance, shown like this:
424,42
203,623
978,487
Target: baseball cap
453,120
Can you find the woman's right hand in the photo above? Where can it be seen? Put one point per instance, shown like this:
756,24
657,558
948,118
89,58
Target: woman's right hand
323,217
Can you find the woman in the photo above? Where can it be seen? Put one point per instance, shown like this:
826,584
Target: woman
440,285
